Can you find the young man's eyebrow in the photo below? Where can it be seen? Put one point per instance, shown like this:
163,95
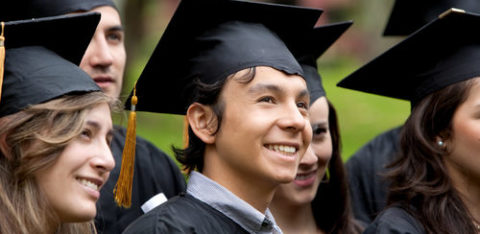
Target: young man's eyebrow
259,88
303,94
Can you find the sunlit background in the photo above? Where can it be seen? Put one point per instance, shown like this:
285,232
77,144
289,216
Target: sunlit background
362,116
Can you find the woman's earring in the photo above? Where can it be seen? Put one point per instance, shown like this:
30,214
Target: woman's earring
440,143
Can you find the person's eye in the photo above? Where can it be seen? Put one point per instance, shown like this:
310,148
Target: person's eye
303,105
86,134
319,131
268,99
114,37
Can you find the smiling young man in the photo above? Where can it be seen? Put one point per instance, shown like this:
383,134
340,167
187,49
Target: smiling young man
246,104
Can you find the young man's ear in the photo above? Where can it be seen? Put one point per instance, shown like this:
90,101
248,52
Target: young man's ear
203,122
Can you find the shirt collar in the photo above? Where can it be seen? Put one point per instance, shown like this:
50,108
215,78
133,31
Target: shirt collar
249,218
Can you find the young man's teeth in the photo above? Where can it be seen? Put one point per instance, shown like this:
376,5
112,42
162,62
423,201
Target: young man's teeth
301,177
89,184
282,148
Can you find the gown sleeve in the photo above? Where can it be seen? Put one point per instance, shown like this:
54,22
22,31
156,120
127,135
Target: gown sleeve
395,220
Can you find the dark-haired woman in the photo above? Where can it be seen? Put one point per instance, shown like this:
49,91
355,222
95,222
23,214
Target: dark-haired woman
435,181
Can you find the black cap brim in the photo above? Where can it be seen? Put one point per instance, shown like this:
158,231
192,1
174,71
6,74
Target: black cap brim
69,35
22,10
39,60
407,16
443,52
307,49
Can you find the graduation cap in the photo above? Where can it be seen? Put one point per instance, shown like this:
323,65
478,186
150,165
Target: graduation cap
34,69
407,16
443,52
18,10
211,39
68,35
309,47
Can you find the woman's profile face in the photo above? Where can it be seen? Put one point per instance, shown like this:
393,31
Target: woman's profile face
314,163
463,161
72,183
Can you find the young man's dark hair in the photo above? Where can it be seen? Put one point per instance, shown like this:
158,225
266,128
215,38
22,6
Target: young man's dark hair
192,156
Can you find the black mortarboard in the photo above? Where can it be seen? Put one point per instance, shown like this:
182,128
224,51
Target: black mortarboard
34,74
18,10
68,36
309,47
407,16
443,52
210,39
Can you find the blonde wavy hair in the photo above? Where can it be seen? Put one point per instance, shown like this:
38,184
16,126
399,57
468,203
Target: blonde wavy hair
31,140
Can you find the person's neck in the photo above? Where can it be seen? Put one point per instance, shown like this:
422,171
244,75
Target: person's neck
255,191
294,218
255,194
471,199
469,191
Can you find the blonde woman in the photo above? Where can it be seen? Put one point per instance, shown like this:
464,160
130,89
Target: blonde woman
55,129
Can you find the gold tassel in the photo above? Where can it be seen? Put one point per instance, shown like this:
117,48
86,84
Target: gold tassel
123,189
2,58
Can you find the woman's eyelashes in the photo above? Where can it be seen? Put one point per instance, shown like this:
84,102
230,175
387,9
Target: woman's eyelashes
319,131
86,134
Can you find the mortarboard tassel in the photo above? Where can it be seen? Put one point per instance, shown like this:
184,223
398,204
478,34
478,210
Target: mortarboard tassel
2,58
123,189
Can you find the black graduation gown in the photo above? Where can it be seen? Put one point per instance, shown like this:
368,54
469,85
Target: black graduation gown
184,214
155,172
395,220
368,188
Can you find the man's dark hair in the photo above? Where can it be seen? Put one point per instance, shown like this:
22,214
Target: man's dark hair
207,94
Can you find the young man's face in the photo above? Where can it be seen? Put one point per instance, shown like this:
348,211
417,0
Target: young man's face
265,128
105,57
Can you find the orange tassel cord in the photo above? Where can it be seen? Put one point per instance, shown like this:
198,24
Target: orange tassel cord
123,189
